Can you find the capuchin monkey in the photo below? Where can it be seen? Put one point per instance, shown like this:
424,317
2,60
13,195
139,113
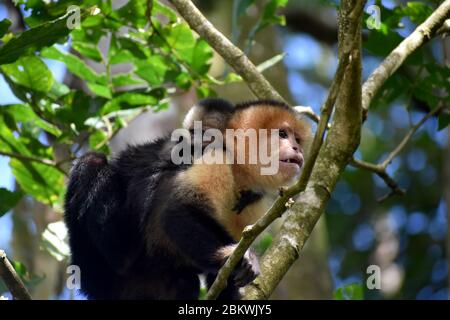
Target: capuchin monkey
142,227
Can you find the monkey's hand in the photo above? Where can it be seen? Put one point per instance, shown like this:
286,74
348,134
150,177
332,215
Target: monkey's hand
247,269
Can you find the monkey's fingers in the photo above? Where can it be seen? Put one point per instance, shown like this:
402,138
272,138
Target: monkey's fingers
245,274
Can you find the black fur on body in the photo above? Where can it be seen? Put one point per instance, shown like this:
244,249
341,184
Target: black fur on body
135,235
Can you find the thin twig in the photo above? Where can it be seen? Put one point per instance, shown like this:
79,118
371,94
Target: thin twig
308,112
11,279
409,135
47,162
380,169
381,172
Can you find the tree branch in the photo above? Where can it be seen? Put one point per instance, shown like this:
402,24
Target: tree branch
11,279
232,54
381,172
308,112
23,157
395,59
380,169
409,135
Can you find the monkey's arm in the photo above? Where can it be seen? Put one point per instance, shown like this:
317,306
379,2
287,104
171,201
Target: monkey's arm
202,240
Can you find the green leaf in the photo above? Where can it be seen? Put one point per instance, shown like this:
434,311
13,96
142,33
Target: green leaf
97,140
263,244
349,292
34,39
122,56
4,26
8,200
41,181
30,280
152,70
89,50
74,64
181,39
125,79
183,80
77,106
204,92
426,91
8,142
129,100
201,57
58,90
382,44
270,12
30,72
23,113
443,121
99,90
133,13
9,120
135,48
159,8
418,12
85,41
269,17
93,21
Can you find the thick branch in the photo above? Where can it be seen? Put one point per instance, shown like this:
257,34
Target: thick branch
232,54
395,59
11,279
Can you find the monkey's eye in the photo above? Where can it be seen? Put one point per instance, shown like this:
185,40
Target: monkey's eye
283,134
297,140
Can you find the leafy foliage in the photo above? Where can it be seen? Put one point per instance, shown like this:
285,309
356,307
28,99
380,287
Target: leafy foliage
420,78
349,292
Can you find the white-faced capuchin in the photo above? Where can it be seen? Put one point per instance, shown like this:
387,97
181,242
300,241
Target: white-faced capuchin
142,227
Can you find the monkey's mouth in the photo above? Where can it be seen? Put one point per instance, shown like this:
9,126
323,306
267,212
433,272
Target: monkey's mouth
297,160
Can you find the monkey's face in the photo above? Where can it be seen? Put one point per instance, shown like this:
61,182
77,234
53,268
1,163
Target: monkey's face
290,153
278,151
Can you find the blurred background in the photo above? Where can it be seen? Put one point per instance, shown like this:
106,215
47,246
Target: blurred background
406,236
